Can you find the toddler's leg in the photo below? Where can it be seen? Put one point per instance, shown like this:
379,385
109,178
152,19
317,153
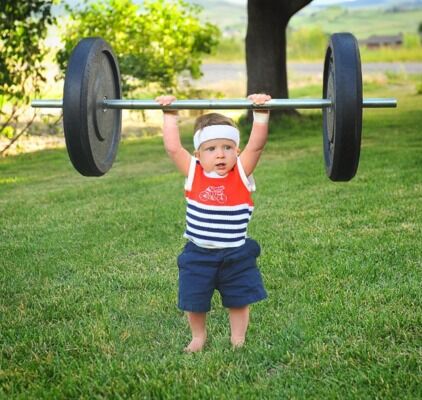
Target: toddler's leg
199,332
239,321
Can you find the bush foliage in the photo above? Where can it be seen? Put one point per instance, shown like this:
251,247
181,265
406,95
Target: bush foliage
153,44
23,26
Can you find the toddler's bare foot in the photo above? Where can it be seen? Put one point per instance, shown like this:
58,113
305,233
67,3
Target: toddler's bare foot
197,344
238,341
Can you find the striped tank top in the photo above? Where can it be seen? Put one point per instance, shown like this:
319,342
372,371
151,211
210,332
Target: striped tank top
218,208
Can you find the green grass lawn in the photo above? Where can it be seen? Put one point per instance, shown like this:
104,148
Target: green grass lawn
88,275
362,22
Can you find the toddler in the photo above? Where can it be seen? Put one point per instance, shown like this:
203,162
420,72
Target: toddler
218,186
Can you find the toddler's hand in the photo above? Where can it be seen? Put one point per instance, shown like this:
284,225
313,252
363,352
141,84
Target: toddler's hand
259,98
260,115
165,100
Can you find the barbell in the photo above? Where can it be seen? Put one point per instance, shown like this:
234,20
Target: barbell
92,106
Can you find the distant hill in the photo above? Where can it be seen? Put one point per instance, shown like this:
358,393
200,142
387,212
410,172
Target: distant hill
363,22
363,17
356,4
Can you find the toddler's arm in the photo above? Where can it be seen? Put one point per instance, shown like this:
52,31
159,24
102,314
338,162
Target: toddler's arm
171,137
258,137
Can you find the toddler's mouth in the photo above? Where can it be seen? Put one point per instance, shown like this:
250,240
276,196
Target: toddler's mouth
220,165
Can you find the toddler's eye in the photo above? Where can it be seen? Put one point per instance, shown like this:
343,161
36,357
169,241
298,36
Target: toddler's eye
227,147
210,148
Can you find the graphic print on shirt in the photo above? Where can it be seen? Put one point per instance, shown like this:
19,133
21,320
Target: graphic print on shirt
218,209
213,193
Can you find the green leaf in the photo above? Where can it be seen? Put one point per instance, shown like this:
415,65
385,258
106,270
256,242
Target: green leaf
162,40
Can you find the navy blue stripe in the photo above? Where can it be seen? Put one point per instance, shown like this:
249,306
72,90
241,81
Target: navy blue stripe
212,239
218,221
216,230
214,212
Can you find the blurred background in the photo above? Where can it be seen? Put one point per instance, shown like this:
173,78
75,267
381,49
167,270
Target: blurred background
150,40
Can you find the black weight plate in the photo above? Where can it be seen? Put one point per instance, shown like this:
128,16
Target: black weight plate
92,133
342,123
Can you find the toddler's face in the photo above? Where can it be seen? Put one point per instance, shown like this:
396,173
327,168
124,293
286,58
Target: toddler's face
219,155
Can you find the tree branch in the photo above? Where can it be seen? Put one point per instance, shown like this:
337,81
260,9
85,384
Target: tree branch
7,122
16,137
297,5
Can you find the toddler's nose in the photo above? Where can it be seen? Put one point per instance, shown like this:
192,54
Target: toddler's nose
220,153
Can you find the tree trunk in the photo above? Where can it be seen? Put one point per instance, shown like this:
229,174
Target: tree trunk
266,46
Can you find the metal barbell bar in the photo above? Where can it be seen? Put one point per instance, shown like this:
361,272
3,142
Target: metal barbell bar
227,104
92,105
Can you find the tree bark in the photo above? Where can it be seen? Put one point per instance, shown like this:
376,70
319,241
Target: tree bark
265,42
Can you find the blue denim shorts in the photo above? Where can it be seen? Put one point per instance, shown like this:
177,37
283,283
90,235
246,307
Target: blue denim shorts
232,271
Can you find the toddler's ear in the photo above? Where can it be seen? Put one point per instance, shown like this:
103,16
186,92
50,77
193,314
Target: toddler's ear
237,150
196,154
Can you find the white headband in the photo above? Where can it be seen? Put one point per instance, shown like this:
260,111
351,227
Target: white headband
216,132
